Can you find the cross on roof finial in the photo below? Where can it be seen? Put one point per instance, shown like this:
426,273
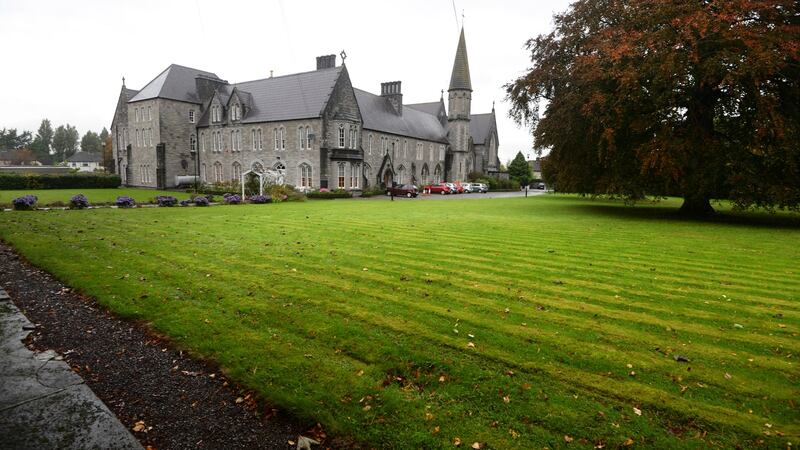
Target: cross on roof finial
462,18
123,81
442,95
343,55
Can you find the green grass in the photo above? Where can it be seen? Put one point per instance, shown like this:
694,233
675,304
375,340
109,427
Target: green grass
95,196
360,314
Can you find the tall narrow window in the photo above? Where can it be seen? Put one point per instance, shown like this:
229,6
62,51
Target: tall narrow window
308,138
341,136
138,139
300,138
305,175
355,170
191,116
203,142
369,143
283,138
193,144
253,138
149,113
405,148
236,171
233,140
341,174
260,141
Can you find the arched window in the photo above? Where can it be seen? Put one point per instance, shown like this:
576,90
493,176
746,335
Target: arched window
203,174
138,138
341,136
202,142
304,175
366,172
253,139
405,148
301,139
236,171
437,174
308,138
425,174
257,167
401,175
260,140
218,172
193,143
369,143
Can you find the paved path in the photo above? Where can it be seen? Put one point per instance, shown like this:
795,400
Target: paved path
531,193
43,403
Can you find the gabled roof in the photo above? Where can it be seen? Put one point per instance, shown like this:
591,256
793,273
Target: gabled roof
174,83
479,127
378,114
86,157
460,78
431,108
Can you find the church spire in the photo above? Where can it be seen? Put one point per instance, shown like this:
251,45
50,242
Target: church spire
460,78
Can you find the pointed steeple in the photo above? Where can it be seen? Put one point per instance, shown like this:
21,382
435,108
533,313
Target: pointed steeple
460,78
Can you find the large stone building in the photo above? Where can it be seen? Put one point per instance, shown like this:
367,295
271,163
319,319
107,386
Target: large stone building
314,125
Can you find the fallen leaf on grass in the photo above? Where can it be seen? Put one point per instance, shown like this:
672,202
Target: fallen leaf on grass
628,442
457,442
637,411
728,376
506,399
477,445
568,438
470,345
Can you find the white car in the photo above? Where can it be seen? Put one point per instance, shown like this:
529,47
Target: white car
453,188
468,188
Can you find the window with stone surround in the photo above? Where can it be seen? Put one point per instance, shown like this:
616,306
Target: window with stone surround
149,113
203,142
304,172
236,171
355,175
191,116
218,172
341,136
405,148
369,143
441,152
260,141
193,144
308,138
341,175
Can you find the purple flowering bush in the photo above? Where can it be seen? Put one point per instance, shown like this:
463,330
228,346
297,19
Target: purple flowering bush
123,201
232,199
79,202
186,202
25,203
201,201
260,199
166,200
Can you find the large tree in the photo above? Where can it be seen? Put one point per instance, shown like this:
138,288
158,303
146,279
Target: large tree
695,98
11,139
43,141
91,142
519,170
65,142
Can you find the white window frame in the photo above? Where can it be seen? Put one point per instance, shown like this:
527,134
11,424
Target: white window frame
308,138
355,170
149,113
260,140
236,171
341,136
304,175
341,175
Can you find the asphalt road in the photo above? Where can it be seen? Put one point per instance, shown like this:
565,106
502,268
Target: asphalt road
531,193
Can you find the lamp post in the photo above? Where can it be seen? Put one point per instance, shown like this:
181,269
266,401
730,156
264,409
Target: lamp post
196,159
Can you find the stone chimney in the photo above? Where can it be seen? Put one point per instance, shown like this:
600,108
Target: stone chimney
326,62
391,90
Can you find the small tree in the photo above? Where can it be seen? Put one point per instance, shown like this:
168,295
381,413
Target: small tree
519,170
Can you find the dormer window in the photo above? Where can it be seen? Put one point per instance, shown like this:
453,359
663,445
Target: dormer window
236,112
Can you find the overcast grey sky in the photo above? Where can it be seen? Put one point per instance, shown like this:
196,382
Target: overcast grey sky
64,59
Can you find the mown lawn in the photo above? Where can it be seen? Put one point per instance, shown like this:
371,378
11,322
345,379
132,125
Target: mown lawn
95,196
516,323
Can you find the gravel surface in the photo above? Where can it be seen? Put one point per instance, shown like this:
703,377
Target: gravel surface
176,401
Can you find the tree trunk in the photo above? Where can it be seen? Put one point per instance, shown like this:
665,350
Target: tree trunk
696,206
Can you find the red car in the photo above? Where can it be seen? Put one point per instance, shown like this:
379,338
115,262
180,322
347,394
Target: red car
440,188
406,190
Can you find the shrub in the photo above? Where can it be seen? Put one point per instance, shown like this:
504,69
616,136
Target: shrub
373,191
260,199
25,203
60,181
201,201
79,202
186,202
232,199
123,201
320,194
285,193
166,200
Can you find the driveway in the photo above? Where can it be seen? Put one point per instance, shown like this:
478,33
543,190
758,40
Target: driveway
531,193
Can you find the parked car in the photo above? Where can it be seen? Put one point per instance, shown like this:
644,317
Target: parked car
468,188
480,187
405,190
539,186
455,189
441,188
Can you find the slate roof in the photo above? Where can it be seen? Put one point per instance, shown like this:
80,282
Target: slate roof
479,126
431,108
378,114
296,96
174,83
460,78
86,157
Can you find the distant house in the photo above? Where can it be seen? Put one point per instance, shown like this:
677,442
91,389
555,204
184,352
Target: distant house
85,161
19,157
536,168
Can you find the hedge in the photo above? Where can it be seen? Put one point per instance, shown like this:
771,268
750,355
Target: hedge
329,194
16,181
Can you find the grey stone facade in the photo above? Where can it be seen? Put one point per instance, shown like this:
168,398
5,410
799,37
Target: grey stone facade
314,125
